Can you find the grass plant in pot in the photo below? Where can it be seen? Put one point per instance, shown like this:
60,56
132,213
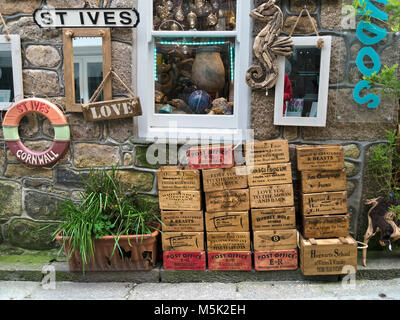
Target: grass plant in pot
107,230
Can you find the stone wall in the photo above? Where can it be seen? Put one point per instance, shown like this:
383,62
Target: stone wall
29,197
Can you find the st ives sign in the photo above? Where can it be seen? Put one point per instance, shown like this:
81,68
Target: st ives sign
87,18
369,34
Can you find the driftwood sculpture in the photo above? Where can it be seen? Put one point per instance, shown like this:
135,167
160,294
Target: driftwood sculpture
267,47
381,219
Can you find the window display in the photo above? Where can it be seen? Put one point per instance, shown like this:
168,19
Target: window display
194,76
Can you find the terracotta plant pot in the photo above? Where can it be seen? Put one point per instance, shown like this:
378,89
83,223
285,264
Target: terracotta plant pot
138,253
208,71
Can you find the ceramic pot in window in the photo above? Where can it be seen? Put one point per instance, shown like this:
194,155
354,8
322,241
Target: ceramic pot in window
208,71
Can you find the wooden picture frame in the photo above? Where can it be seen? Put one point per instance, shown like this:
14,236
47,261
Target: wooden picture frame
15,48
68,35
320,109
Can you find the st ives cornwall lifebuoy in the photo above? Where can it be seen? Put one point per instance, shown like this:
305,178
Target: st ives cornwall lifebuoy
56,117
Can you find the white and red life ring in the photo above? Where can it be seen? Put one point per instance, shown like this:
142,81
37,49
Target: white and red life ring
57,119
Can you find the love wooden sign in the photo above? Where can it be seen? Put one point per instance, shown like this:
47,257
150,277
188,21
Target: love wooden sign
114,109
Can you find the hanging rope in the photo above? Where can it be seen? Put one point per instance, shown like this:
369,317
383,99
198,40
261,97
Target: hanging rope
5,27
320,42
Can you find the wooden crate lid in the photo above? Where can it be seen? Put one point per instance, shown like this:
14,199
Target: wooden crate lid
327,242
178,168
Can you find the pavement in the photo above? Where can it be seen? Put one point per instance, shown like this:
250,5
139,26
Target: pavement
270,290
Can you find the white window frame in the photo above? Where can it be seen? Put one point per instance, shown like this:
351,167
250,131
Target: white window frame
320,120
83,61
15,43
155,126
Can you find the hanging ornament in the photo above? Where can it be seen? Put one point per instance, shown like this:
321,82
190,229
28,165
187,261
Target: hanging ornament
174,27
169,4
215,5
212,20
179,15
192,19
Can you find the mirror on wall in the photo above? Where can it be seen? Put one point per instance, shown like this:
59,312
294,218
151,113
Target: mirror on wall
11,88
87,60
301,95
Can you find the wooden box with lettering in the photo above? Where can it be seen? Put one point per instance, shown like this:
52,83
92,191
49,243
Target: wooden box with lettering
230,261
270,174
320,227
275,240
185,260
178,178
180,200
323,181
183,241
227,221
272,196
211,157
273,218
228,241
276,260
326,203
182,221
265,152
322,157
228,201
224,179
328,256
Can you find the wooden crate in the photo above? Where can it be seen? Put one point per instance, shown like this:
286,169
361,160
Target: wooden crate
177,178
272,196
230,261
270,174
228,201
275,240
265,152
211,157
182,221
276,260
185,260
227,221
273,219
326,203
322,157
323,181
228,241
321,227
180,200
183,241
225,179
327,256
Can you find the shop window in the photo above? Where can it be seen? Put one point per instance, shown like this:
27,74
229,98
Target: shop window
11,88
87,59
301,95
192,62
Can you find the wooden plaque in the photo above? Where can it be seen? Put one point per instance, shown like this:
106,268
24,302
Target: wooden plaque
230,261
227,221
275,240
327,256
180,200
178,178
272,196
183,241
321,227
319,204
273,218
323,181
266,152
224,179
324,157
276,260
270,174
228,241
211,157
113,109
228,201
182,221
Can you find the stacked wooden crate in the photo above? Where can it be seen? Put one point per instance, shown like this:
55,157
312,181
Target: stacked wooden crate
325,245
273,214
180,199
227,219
